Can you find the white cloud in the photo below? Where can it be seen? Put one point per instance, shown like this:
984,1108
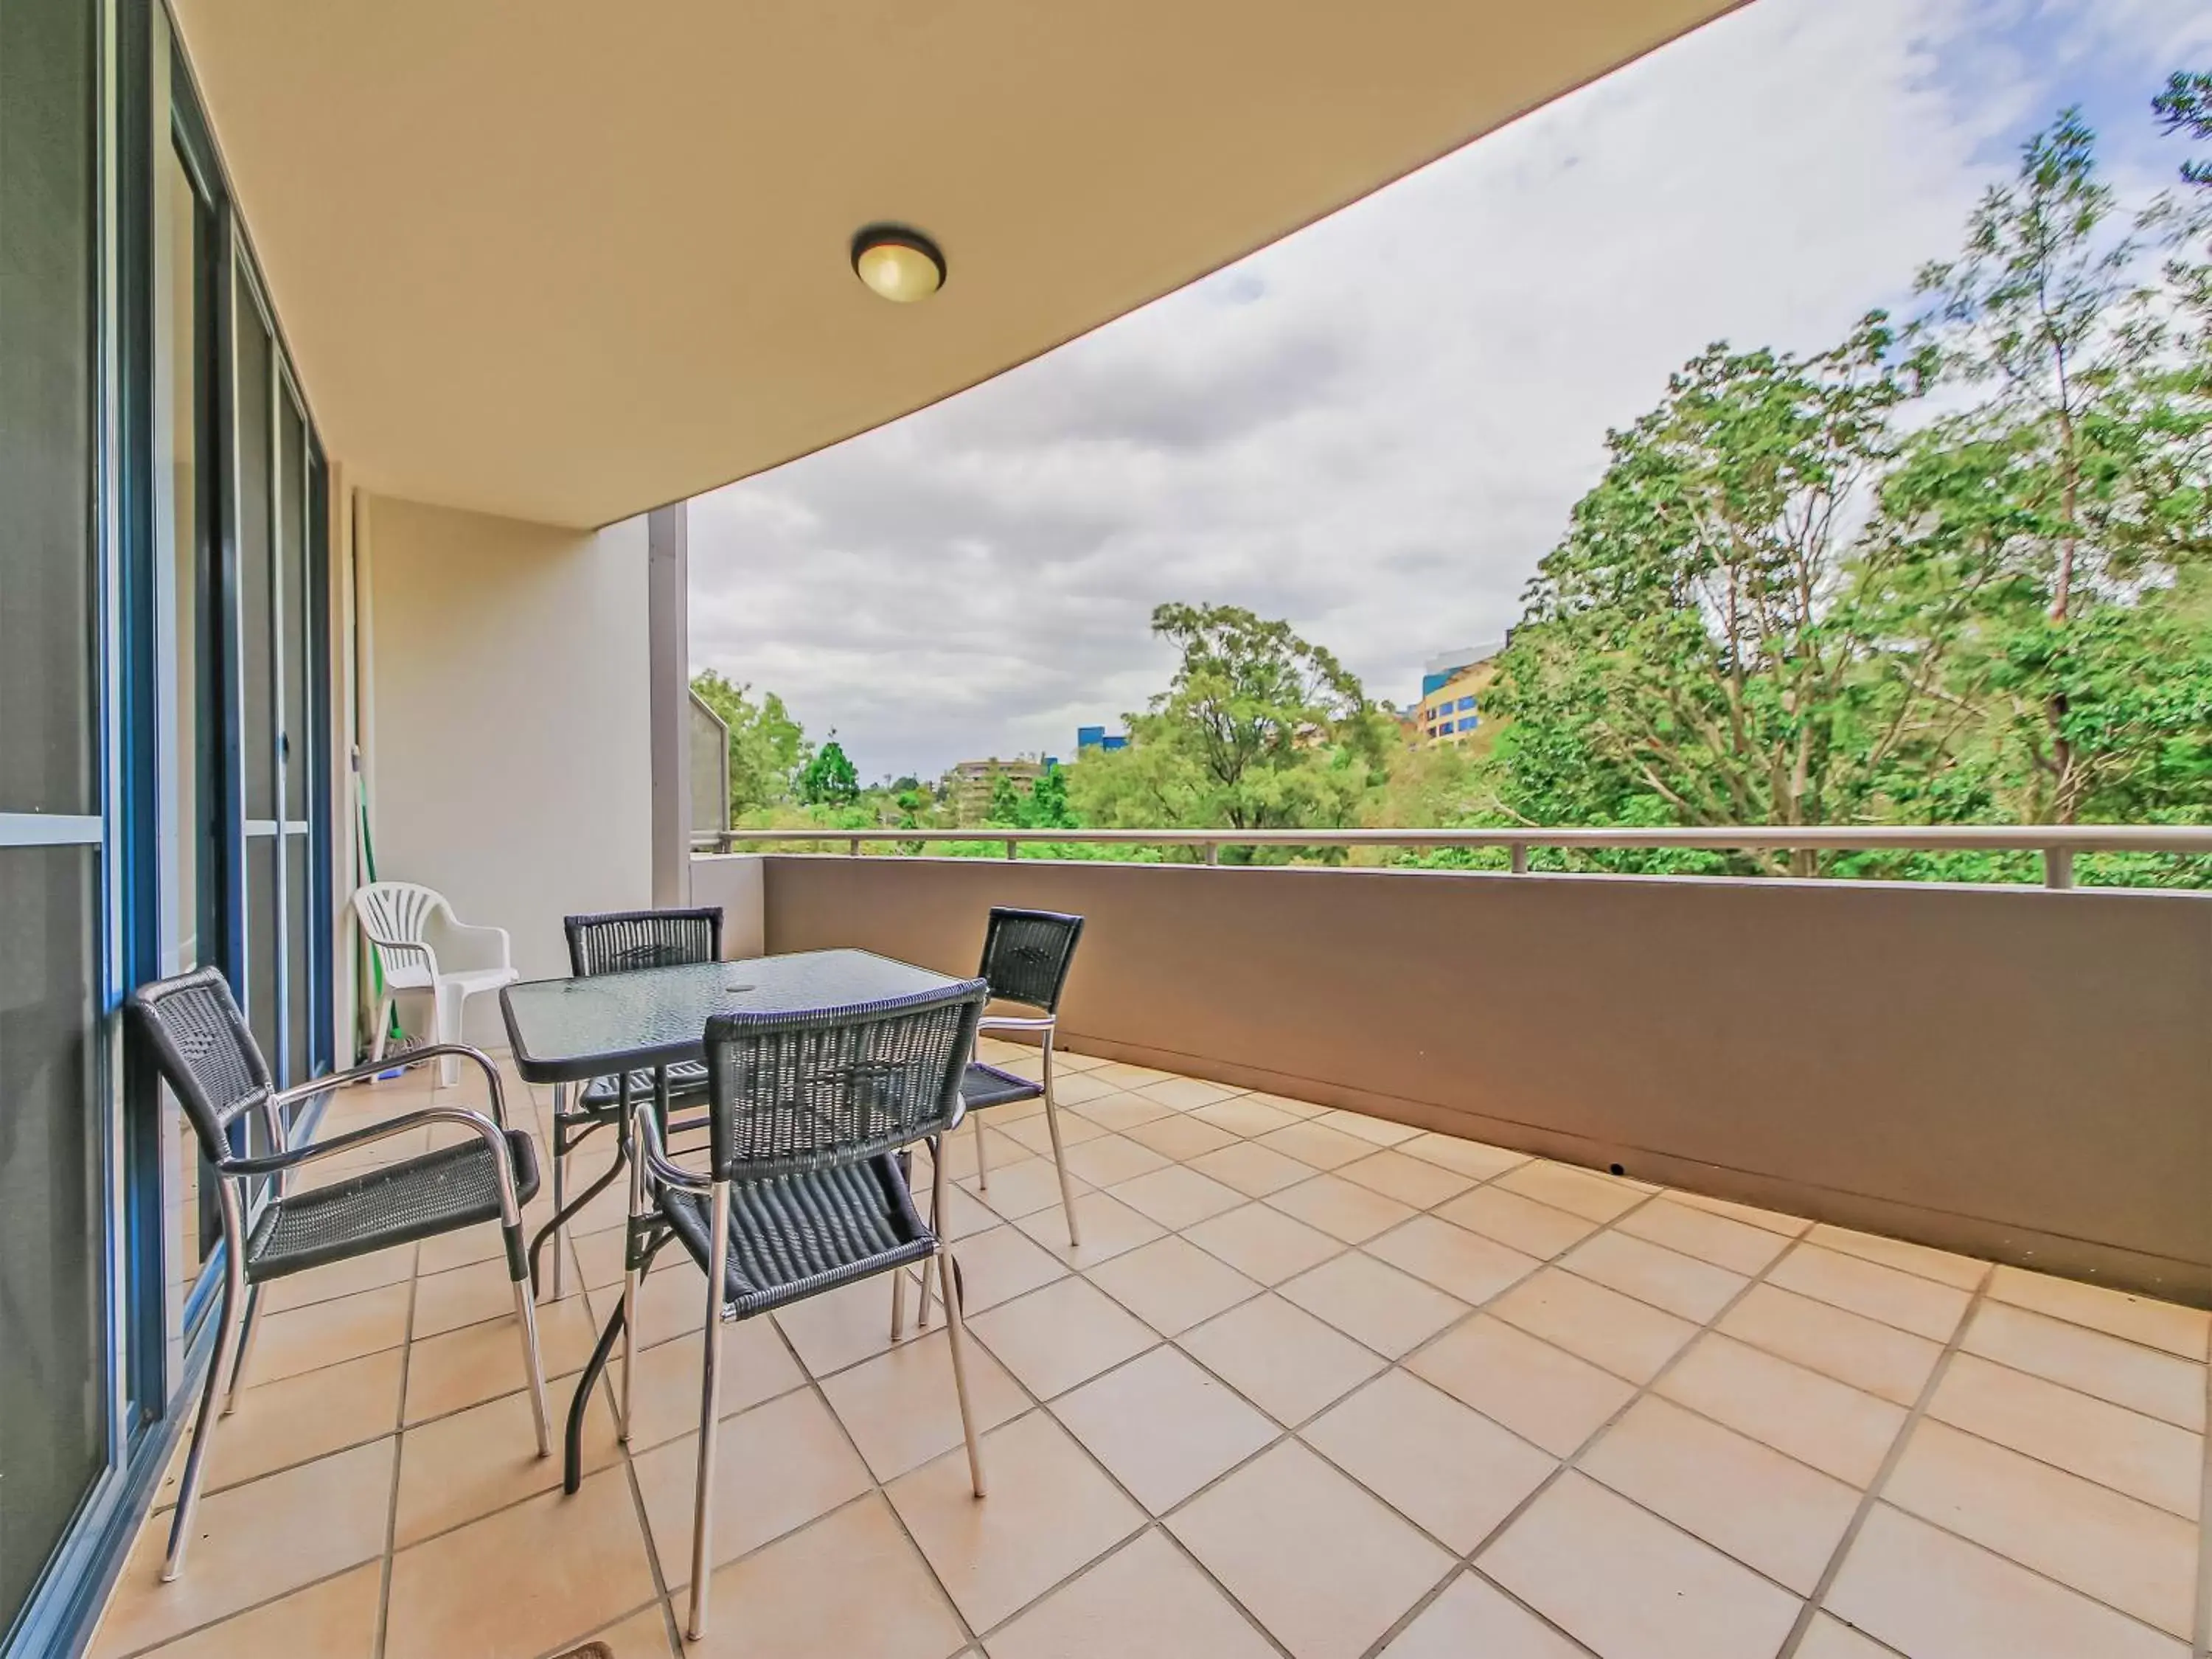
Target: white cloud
1377,427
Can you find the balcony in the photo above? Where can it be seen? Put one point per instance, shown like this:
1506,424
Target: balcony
1332,1383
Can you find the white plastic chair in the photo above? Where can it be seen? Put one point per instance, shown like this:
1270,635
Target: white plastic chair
396,917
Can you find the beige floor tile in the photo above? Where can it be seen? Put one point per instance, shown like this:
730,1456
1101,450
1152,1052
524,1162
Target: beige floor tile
1732,1245
363,1272
463,1296
1682,1284
334,1619
842,1326
902,1408
1071,1087
1033,1133
1388,1311
1065,1334
279,1424
465,1466
1767,1511
1923,1591
2148,1380
1244,1117
999,1265
521,1582
1300,1109
1252,1169
1123,1075
1341,1209
329,1332
1409,1180
1452,1470
1895,1297
1120,1112
1318,1561
1023,1188
1106,1225
1789,1226
1178,1196
1376,1131
2126,1554
1629,1586
1473,1620
1960,1272
1315,1143
665,1398
1629,1338
1073,1059
1456,1261
960,1153
1172,1284
1832,1638
1263,1244
1815,1420
670,1303
1543,1394
776,1467
1280,1358
1533,1228
1186,1093
849,1585
2177,1329
1863,1352
1581,1192
2108,1444
1050,1510
1468,1157
1110,1160
1181,1137
1163,1425
1148,1600
482,1362
253,1543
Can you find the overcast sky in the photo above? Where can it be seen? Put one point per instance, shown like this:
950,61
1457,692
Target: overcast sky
1377,427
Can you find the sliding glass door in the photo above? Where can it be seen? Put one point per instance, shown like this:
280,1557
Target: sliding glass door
56,1415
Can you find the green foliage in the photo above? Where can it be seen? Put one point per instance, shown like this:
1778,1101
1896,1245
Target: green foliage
830,780
1258,729
2185,107
767,746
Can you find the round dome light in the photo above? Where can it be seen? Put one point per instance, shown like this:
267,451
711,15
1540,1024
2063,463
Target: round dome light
901,265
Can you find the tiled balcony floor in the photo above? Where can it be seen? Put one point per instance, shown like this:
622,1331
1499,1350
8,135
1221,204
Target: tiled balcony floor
1316,1385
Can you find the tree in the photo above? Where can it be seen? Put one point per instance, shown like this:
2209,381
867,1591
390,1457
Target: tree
767,746
830,778
1694,652
1005,807
2185,107
1258,729
2074,489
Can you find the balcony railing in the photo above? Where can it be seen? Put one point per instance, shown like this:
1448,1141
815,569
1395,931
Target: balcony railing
2057,844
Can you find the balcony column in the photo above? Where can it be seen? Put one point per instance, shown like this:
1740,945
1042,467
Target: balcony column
668,611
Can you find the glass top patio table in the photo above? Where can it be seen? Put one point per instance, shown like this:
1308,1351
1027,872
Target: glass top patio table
570,1031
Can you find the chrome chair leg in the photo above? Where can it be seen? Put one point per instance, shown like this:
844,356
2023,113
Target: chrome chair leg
983,1169
188,1494
249,1327
633,1277
710,1385
526,1310
936,1210
956,1336
898,1304
1058,1153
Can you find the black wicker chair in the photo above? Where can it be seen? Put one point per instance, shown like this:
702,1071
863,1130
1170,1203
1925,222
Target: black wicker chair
1026,956
198,1041
621,942
805,1192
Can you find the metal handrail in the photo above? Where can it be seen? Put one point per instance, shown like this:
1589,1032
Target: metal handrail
2058,844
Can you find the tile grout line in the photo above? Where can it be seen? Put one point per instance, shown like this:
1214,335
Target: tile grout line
1914,1416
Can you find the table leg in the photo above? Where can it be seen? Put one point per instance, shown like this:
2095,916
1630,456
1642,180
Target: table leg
572,1470
561,1217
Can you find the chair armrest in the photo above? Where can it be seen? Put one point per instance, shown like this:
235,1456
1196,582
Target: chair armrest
371,1068
494,1137
474,942
646,1135
1016,1023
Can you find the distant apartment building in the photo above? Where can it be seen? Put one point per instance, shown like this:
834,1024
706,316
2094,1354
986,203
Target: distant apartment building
974,781
1097,736
1452,687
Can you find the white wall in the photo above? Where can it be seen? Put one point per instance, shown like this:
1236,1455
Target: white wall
506,719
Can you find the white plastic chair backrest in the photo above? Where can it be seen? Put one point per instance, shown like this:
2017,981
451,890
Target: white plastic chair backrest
396,915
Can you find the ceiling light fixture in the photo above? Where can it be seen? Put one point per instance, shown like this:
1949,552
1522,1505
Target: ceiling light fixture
903,265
